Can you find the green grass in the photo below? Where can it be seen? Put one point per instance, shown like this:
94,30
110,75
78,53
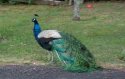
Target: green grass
101,29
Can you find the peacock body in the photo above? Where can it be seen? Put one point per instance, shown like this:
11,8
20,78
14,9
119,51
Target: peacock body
70,51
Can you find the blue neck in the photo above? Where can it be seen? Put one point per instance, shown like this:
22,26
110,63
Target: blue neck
36,29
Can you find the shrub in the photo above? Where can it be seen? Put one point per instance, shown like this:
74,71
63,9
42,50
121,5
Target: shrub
4,1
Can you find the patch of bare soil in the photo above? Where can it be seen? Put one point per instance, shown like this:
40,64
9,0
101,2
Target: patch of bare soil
43,72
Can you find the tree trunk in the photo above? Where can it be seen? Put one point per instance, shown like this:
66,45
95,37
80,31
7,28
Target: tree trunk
76,11
70,2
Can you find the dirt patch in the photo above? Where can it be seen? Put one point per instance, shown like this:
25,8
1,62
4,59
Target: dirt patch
42,72
2,39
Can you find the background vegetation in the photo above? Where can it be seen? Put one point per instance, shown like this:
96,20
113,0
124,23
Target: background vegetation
6,1
3,1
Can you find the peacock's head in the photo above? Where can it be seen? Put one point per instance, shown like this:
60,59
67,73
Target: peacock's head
34,20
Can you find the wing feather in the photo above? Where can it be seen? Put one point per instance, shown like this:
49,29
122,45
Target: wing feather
49,34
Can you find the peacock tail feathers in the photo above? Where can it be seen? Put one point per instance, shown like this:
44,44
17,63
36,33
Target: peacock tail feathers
74,55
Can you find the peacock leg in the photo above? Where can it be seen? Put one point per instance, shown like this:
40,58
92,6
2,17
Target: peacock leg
51,61
50,56
60,58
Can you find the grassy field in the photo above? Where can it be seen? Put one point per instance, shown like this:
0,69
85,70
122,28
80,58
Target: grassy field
101,29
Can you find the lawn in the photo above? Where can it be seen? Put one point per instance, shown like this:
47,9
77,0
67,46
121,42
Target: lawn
101,29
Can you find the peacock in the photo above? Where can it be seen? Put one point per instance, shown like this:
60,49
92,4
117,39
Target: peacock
73,55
